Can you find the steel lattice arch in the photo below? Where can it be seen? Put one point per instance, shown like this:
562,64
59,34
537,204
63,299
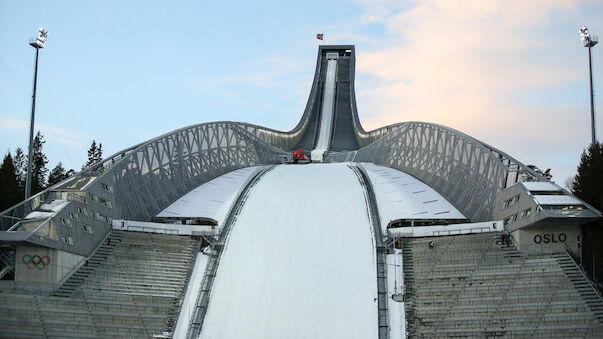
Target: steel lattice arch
464,170
140,181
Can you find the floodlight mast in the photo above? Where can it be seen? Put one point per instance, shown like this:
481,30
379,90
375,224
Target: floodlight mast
37,43
589,41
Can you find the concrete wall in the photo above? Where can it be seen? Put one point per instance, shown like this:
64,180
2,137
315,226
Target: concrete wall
525,202
42,267
535,240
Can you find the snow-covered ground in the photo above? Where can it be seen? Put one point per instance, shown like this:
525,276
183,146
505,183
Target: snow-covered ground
299,261
402,196
395,283
190,299
48,210
213,199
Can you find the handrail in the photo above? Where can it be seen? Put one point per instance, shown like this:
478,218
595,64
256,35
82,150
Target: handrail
590,282
462,231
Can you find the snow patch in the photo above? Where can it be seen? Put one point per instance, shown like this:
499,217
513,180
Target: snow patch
213,199
190,298
401,196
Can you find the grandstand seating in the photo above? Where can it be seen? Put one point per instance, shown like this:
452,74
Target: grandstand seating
475,286
131,288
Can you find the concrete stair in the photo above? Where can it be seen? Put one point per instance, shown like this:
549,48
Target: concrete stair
131,288
472,286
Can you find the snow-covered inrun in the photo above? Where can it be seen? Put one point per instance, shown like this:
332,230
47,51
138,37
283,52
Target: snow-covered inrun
299,261
326,120
213,199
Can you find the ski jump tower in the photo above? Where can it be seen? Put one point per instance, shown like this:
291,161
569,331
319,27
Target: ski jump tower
69,221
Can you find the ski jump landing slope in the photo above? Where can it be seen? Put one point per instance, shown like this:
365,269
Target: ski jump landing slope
299,261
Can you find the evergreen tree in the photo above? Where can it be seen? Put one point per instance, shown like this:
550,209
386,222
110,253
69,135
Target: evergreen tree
588,183
57,175
38,168
588,186
546,173
20,167
10,192
95,154
91,154
98,157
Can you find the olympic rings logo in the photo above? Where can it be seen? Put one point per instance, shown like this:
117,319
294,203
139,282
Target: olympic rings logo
36,261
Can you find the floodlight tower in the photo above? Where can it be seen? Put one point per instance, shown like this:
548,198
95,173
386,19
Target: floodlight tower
589,41
37,43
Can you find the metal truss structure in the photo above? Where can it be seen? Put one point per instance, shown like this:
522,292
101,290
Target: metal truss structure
140,181
467,172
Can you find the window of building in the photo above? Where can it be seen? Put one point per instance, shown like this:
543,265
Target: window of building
107,187
105,203
510,219
67,239
525,213
510,202
87,228
547,193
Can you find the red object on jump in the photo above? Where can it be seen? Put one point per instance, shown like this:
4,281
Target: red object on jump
299,154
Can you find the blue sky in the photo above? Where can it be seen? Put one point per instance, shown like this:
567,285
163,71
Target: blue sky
510,73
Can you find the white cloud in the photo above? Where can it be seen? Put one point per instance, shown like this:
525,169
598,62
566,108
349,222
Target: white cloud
470,65
63,136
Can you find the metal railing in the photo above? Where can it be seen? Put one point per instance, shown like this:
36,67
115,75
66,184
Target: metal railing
590,282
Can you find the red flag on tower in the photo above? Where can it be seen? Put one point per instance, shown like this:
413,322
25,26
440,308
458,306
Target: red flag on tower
319,36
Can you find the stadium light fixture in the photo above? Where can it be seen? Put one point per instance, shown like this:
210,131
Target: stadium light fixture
37,43
590,41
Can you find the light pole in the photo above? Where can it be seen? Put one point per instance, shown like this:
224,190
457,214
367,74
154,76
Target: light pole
589,41
37,43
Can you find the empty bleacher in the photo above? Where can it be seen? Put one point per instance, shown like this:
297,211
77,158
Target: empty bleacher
131,288
475,286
